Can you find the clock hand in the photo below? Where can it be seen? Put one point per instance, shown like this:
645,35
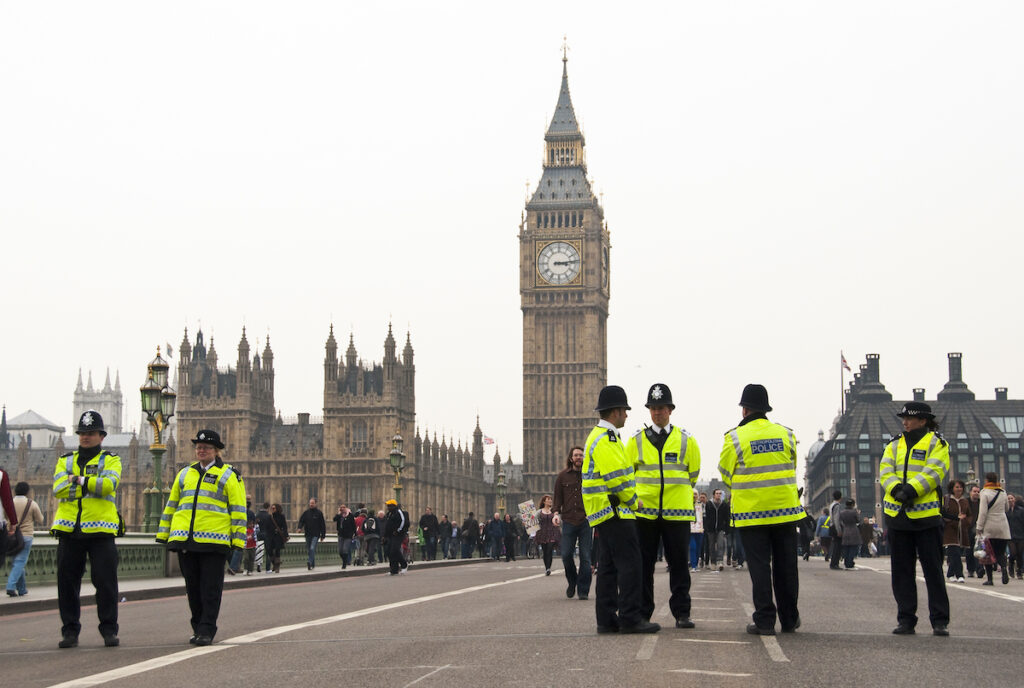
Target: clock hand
565,262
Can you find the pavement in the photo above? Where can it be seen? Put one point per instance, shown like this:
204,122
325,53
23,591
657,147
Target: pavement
482,623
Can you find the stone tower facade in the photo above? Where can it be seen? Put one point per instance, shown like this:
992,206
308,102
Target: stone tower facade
109,401
564,285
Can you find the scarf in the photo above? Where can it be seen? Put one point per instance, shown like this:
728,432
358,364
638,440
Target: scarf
992,486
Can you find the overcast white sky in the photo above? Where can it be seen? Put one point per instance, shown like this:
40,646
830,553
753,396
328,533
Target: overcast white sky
782,181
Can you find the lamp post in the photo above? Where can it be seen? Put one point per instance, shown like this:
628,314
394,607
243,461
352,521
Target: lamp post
500,487
158,401
397,461
971,476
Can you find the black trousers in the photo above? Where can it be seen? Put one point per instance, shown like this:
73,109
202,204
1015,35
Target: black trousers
396,560
619,573
771,560
676,537
204,585
906,548
837,551
71,555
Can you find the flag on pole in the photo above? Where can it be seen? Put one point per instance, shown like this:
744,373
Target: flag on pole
488,440
845,364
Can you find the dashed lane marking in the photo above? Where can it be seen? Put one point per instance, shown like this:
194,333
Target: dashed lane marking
646,650
706,673
436,669
167,660
771,644
721,642
958,586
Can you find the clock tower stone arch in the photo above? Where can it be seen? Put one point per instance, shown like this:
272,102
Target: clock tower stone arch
564,287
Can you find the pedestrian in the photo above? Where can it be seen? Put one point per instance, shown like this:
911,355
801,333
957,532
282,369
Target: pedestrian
610,500
824,534
911,472
265,533
431,531
758,463
665,460
203,521
313,524
836,551
849,530
806,528
345,523
716,527
993,524
235,562
571,517
469,534
548,533
1016,519
395,528
867,535
494,536
696,531
974,501
444,535
251,541
956,514
27,515
511,537
7,510
279,535
85,484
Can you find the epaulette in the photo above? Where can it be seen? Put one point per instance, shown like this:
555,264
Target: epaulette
785,426
641,430
64,456
612,437
942,439
729,430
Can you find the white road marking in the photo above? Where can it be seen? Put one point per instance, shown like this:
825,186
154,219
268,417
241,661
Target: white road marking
706,673
167,660
723,642
714,620
957,586
709,599
774,650
718,609
664,612
437,669
646,650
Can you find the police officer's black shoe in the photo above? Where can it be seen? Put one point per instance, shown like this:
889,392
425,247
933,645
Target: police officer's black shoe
193,639
607,629
642,627
684,622
204,640
68,641
754,629
940,630
903,629
792,629
111,641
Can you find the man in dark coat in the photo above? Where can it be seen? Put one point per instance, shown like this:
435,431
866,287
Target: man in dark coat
313,524
346,525
395,527
430,528
716,527
469,532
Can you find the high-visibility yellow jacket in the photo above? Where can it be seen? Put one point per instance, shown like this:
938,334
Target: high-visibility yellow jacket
606,472
89,509
758,464
205,511
665,479
923,466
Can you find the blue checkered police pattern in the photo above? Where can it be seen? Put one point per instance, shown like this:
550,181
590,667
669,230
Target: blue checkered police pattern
771,513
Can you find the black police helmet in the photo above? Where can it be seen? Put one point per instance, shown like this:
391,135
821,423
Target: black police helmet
91,421
755,398
916,409
612,397
659,395
211,437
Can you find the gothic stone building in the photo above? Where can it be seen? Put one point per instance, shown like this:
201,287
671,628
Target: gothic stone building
564,287
341,457
984,435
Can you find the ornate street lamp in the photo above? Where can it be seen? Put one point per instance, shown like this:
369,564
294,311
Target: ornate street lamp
971,477
500,487
158,401
397,461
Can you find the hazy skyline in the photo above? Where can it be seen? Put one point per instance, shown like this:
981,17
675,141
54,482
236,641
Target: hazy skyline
780,183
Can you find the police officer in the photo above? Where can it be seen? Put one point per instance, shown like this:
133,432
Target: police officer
666,463
203,521
758,463
913,467
609,498
85,484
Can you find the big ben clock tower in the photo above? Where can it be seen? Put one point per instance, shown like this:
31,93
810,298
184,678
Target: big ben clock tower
564,287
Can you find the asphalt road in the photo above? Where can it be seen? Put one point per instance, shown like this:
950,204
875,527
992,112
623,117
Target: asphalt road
497,624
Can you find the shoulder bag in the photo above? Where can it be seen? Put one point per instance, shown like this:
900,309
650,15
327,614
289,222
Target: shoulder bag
16,542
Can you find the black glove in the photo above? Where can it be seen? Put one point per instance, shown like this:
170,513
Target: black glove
613,499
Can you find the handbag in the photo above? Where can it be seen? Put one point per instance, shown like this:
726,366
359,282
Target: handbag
15,543
983,552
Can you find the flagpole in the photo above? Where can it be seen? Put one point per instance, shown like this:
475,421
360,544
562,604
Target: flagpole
842,384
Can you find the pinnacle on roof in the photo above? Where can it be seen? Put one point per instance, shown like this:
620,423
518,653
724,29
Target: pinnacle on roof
564,122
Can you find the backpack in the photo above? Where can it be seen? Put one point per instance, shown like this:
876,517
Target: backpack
369,526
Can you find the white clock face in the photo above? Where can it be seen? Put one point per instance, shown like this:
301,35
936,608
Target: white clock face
558,263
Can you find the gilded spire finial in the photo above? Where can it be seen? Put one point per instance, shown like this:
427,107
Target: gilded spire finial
565,48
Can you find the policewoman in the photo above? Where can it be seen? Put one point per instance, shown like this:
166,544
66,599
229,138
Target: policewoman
666,463
913,467
609,498
758,464
203,521
85,485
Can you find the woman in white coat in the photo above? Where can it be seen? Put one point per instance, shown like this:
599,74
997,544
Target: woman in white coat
993,524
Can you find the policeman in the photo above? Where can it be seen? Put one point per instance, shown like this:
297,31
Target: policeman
85,483
758,463
913,467
203,521
666,463
609,498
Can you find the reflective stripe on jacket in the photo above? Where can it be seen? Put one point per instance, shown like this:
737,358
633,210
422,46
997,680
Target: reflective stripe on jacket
925,466
665,479
607,472
758,463
91,508
205,508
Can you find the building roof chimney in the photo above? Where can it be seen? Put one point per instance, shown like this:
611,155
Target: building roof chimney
955,389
